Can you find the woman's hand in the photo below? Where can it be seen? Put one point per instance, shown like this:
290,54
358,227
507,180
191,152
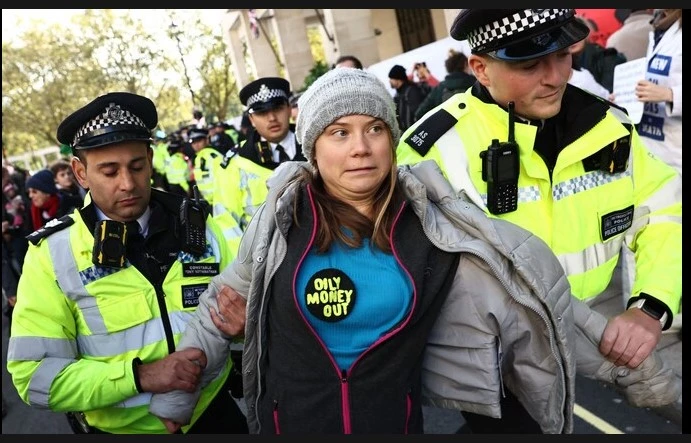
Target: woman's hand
647,91
230,318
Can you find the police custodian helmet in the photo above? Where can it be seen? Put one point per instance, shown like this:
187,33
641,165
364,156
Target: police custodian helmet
110,118
518,34
265,94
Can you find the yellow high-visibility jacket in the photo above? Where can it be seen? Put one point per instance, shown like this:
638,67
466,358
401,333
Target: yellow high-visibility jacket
585,216
205,162
178,171
239,189
79,326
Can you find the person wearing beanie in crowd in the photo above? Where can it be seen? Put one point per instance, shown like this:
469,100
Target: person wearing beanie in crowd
566,165
407,98
353,268
46,202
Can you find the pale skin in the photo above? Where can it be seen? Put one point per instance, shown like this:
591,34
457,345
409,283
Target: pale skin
38,198
64,178
647,91
119,179
537,87
273,124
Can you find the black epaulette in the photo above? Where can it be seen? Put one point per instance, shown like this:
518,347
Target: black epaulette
430,130
55,225
227,157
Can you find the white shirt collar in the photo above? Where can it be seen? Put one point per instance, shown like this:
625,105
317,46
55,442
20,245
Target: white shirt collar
288,144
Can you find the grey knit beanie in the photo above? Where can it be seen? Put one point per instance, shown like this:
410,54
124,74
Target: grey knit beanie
340,92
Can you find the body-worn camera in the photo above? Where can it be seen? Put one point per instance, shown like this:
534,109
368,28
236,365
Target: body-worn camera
110,239
193,224
500,166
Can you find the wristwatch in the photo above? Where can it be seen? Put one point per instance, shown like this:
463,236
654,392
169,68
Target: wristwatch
642,304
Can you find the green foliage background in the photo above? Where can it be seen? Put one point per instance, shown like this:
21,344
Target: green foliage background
54,70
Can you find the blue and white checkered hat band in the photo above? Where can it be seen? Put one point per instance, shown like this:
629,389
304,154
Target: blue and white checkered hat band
514,25
113,115
265,94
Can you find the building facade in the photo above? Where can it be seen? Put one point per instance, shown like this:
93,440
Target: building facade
274,42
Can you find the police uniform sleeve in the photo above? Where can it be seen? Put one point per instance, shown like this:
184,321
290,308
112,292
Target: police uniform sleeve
657,239
43,357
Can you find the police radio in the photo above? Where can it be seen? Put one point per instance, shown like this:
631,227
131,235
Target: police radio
110,240
193,224
500,167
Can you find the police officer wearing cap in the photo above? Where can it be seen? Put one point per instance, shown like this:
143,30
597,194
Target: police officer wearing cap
108,289
178,168
566,165
219,138
240,182
206,158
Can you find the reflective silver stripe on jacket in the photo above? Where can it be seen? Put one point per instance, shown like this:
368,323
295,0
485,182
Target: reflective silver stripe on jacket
133,338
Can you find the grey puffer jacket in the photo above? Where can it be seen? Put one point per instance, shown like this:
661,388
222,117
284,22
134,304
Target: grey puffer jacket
509,318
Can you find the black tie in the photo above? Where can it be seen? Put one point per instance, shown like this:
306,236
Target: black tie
135,241
282,156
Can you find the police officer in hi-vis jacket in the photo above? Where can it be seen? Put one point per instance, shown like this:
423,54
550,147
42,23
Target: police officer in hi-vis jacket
108,289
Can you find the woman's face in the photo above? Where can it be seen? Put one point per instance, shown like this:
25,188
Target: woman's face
354,156
64,178
38,198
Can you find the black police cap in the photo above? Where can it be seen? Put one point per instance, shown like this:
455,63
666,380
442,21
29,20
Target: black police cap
518,34
265,93
197,133
110,118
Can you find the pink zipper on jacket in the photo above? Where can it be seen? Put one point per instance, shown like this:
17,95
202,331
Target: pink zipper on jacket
344,375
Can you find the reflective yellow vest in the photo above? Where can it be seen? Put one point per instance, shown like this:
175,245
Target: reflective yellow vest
205,162
178,171
161,156
239,189
569,210
78,327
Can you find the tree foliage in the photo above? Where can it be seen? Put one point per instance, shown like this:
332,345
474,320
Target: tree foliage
56,69
50,71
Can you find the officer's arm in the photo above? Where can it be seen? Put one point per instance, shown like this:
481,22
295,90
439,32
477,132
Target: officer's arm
42,354
657,243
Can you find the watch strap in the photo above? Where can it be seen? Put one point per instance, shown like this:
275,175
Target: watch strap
644,305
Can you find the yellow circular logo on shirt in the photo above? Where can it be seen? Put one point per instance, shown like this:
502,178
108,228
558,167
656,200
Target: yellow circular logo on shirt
330,295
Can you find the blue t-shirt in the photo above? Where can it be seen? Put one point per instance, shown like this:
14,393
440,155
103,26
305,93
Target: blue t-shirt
352,297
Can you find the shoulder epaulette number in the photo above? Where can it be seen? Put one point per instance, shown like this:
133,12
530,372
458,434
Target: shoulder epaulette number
430,130
55,225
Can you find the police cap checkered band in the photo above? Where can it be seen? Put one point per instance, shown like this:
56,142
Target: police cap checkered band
265,93
493,35
110,118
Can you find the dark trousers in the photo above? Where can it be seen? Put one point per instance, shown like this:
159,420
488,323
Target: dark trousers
515,420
